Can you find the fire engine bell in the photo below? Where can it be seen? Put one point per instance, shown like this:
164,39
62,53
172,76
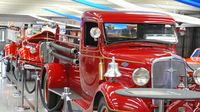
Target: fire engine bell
113,70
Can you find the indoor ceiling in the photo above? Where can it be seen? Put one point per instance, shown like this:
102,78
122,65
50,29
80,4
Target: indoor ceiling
70,7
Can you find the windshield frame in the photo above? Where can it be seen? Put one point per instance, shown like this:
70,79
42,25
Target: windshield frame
138,40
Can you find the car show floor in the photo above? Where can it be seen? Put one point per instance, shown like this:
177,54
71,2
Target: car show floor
10,101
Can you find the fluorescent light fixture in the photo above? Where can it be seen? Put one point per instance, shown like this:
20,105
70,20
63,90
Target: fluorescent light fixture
98,6
195,3
52,21
177,17
64,15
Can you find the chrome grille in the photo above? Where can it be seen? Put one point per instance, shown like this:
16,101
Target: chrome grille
167,71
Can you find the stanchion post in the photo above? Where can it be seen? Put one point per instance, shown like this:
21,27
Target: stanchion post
22,91
161,105
18,91
37,81
22,107
67,100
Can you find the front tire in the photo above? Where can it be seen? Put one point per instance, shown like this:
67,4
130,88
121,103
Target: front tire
102,107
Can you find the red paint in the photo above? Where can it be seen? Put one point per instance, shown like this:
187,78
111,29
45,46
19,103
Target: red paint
59,80
11,50
84,79
24,53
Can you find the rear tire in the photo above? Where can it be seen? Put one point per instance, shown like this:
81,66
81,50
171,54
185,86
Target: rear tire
102,107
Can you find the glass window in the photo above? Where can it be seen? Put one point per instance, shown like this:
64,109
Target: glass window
120,32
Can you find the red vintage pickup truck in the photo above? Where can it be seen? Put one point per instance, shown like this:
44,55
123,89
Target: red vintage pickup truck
143,45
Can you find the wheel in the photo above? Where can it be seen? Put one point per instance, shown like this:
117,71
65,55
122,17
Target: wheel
51,99
102,107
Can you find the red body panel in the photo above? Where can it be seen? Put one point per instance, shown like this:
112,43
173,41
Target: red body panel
24,52
127,17
11,50
121,103
56,81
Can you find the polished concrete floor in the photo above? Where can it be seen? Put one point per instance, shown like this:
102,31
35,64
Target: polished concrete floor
10,101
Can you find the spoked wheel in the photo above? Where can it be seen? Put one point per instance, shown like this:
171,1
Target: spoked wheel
102,107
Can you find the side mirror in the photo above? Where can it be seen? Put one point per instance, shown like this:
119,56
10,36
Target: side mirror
95,33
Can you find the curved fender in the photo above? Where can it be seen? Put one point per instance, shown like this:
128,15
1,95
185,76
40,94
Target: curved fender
57,76
121,103
24,53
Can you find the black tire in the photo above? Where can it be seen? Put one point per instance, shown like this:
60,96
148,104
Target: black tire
102,107
52,99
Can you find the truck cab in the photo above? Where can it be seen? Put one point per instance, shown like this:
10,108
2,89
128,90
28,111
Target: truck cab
142,46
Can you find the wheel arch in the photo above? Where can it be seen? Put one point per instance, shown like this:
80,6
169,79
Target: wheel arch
57,76
106,90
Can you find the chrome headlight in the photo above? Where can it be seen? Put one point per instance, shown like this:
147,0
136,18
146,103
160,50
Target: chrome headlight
32,50
140,76
196,76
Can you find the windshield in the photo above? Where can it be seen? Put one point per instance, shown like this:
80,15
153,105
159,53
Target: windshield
120,32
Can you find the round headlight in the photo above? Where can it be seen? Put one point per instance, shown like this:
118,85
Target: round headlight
140,76
32,50
196,76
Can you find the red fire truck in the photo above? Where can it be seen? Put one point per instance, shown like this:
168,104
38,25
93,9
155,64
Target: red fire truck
26,52
142,46
29,52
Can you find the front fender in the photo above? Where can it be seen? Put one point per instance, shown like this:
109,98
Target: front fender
121,103
57,76
24,53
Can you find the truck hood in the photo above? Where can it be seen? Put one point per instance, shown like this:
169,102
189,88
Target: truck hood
138,54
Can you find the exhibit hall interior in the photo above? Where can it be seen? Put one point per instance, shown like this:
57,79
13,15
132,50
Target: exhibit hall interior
99,56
